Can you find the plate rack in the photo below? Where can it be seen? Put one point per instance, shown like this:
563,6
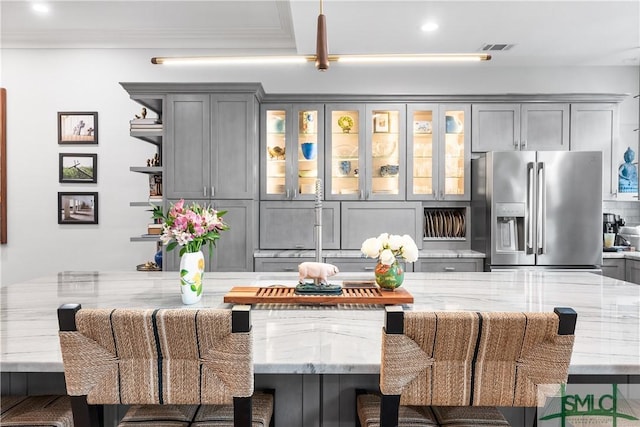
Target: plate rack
445,224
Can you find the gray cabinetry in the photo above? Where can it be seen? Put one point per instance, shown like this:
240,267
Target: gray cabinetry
362,220
234,249
439,265
632,271
614,267
366,265
211,146
274,265
594,127
507,127
290,225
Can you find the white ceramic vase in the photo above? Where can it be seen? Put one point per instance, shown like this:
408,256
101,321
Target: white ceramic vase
191,273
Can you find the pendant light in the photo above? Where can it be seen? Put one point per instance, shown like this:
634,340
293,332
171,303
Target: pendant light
322,51
322,57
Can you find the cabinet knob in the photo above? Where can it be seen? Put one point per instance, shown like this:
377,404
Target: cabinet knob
516,144
524,143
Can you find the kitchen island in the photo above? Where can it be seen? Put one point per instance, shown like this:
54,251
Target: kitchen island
315,355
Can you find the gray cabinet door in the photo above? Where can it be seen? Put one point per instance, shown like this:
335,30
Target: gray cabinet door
234,146
439,265
613,268
495,127
234,249
632,271
290,225
362,220
187,147
545,127
594,128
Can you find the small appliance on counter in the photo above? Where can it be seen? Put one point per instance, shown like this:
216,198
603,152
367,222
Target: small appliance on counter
632,236
613,224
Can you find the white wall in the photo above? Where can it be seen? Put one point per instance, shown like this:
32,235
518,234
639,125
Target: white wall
40,83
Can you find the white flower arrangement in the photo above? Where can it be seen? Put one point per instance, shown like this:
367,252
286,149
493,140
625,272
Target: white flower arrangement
388,247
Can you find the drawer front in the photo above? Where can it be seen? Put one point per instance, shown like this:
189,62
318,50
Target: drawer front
633,271
444,265
274,265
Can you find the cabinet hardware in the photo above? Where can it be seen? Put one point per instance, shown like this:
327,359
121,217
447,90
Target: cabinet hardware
213,191
516,144
299,246
361,194
449,269
368,268
295,193
524,144
204,191
288,269
287,193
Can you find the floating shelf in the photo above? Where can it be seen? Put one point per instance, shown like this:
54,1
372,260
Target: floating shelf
154,137
151,170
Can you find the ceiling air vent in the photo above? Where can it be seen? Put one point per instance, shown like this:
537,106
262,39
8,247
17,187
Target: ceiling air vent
496,47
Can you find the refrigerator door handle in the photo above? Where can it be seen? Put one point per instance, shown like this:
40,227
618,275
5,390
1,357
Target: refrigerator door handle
541,210
530,206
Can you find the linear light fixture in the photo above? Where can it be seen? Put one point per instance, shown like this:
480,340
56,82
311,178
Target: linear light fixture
390,58
322,57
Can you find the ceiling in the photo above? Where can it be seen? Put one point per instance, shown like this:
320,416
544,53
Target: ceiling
543,33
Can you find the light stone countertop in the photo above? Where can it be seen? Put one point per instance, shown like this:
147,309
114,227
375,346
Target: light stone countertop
622,254
341,253
295,339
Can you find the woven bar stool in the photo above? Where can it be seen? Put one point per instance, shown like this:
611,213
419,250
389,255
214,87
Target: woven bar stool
176,367
29,411
458,367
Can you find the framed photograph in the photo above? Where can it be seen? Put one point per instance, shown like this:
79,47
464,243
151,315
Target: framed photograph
77,128
77,208
78,168
381,122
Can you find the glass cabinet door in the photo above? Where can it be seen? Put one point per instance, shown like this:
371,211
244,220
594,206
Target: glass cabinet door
385,152
456,152
422,131
292,150
275,121
344,152
309,146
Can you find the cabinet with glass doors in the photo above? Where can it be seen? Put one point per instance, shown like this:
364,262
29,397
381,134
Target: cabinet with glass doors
439,152
365,151
292,150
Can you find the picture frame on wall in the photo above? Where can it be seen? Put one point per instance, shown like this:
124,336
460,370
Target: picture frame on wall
77,207
381,122
77,127
78,168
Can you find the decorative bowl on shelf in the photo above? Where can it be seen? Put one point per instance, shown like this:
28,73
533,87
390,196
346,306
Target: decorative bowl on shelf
345,151
389,170
307,173
345,123
383,148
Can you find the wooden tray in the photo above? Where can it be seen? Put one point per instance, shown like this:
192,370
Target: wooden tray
287,295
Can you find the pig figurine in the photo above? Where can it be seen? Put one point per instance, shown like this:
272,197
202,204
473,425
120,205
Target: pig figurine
318,271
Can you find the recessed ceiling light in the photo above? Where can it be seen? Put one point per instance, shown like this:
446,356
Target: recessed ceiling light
41,8
429,26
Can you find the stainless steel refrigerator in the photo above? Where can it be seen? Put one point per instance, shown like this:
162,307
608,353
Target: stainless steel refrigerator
537,209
